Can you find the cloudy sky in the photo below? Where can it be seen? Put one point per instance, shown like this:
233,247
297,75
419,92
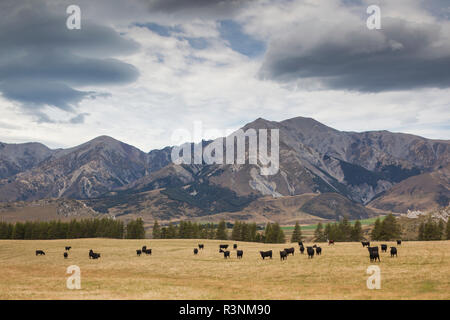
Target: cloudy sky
137,70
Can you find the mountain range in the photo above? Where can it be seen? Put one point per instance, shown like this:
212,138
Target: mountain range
323,174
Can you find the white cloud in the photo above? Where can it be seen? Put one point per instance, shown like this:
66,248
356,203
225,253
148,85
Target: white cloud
179,84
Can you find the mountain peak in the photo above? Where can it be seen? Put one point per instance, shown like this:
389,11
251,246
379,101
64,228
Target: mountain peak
261,123
103,138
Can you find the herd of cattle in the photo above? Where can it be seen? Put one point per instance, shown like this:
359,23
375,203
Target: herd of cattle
373,251
310,250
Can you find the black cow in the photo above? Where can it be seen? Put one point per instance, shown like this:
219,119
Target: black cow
201,246
289,250
365,243
148,251
66,255
383,247
266,254
318,251
226,254
373,254
93,255
40,253
330,242
240,253
195,251
310,251
68,248
399,242
300,243
221,251
302,249
235,246
393,252
283,255
139,252
144,248
223,246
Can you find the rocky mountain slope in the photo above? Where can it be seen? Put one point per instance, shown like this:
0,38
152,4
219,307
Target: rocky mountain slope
350,169
85,171
427,191
16,158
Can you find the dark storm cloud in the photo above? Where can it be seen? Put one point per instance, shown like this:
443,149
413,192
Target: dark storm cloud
34,94
44,63
401,56
186,10
171,6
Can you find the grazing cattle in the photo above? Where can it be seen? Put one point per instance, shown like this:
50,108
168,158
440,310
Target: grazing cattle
399,242
226,254
195,251
201,246
138,252
318,251
283,255
144,248
66,255
266,254
302,249
310,251
300,243
148,251
40,253
68,248
393,252
365,243
223,246
240,253
383,247
93,255
289,250
235,246
330,242
373,254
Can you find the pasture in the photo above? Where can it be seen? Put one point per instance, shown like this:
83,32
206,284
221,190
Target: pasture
421,271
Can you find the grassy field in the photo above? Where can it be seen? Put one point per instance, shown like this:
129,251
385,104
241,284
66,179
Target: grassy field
421,271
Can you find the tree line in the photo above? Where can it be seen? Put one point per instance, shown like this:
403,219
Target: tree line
190,230
339,231
431,230
388,229
241,231
84,228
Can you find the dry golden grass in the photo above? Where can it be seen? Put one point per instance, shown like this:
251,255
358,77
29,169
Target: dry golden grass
421,271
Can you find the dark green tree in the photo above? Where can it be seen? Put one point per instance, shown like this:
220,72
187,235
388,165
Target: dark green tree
441,229
376,231
448,229
236,232
319,234
390,229
297,234
156,232
221,233
356,233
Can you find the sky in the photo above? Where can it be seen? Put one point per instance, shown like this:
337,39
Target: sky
140,70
